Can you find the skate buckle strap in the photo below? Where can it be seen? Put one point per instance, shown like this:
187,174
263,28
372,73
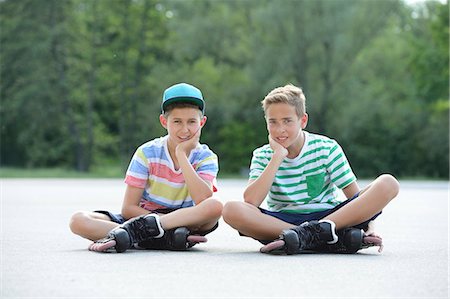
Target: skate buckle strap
143,227
158,223
333,231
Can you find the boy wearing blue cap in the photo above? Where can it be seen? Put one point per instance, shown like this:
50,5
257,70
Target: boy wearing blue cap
299,174
168,202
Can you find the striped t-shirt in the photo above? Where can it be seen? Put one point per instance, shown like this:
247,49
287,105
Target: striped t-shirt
308,182
152,169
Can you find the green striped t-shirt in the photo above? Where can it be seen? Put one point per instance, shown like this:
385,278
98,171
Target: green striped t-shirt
309,182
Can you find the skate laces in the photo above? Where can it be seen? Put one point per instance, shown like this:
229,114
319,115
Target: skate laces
309,235
143,228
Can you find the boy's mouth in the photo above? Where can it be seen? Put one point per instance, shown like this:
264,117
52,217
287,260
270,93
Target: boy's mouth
281,139
184,138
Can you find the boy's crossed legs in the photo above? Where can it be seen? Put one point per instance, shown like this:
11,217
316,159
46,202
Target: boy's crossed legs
95,226
251,221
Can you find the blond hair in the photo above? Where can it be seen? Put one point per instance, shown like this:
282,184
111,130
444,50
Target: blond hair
288,94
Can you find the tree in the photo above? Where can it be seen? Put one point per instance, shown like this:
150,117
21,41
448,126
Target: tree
88,76
37,113
429,65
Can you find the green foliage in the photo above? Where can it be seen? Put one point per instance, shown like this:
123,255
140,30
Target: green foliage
236,148
81,81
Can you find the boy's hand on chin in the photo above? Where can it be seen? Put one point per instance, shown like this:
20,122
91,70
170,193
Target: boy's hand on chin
187,146
278,149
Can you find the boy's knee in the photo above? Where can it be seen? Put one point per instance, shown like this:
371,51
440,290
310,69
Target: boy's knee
231,211
78,222
214,207
389,184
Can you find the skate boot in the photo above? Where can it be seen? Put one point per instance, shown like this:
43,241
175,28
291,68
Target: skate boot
175,239
351,240
307,236
130,232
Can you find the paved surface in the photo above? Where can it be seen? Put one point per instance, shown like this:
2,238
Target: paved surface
40,257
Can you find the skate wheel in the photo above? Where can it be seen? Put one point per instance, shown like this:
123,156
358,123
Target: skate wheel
102,247
292,242
123,241
196,239
272,246
180,236
353,239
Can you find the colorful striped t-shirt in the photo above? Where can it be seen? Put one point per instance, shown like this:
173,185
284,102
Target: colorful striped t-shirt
308,182
152,169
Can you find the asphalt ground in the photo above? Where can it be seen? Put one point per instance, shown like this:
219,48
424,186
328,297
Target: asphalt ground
41,258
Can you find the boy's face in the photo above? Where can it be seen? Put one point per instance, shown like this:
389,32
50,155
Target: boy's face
284,125
182,124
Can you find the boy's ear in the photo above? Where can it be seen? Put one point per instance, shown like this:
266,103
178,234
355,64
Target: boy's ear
163,121
304,120
203,121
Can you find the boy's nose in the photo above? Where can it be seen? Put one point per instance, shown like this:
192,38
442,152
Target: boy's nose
184,128
281,129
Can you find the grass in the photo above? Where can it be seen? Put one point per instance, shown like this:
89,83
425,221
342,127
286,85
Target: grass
96,172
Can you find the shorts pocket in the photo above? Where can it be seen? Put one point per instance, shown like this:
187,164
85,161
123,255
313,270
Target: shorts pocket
315,184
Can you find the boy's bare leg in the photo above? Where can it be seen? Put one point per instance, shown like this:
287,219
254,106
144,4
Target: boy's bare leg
370,201
250,221
91,225
201,217
95,226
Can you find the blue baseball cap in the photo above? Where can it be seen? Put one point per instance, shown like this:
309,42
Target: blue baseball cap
183,92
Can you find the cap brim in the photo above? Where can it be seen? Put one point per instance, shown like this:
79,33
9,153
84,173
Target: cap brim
195,101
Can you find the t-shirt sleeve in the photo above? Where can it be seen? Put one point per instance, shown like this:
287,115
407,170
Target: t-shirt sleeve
137,172
341,173
208,167
258,163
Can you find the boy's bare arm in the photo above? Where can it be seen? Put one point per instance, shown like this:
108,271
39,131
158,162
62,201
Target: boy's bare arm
257,190
198,188
130,205
351,190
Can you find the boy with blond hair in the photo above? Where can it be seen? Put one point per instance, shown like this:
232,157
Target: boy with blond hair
299,173
170,183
